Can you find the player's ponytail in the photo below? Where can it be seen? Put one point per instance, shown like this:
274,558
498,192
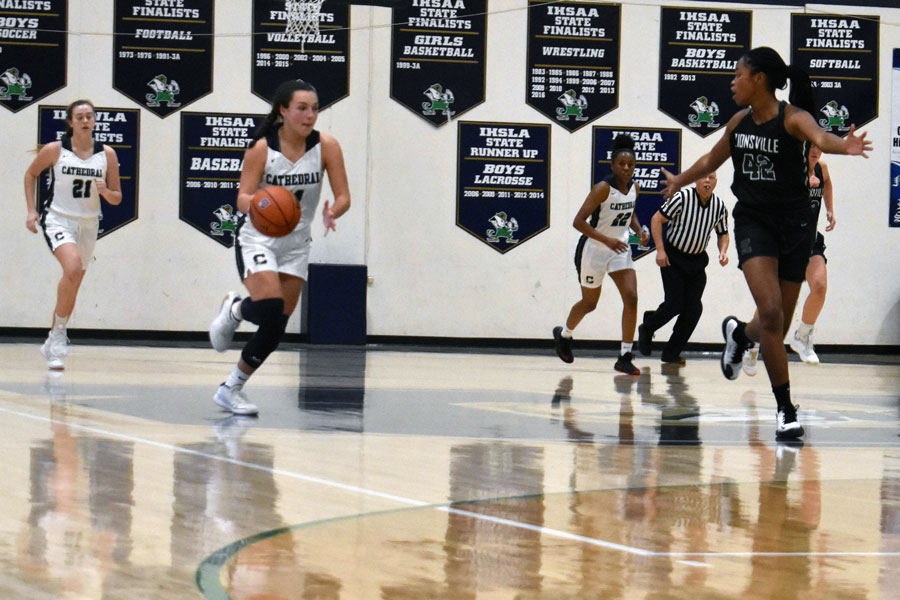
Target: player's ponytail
281,98
766,60
622,143
70,109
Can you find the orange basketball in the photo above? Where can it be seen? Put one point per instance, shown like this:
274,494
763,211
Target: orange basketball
274,211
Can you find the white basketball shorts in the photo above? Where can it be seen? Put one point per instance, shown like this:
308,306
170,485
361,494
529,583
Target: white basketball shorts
599,259
60,229
257,252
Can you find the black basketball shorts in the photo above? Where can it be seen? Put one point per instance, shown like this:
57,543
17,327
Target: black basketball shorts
786,236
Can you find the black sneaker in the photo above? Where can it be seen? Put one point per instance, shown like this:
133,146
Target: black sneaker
786,425
624,364
645,338
563,346
733,353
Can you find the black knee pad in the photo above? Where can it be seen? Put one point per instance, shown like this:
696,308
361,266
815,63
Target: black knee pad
272,322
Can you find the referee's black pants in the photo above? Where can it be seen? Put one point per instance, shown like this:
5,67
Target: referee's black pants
683,283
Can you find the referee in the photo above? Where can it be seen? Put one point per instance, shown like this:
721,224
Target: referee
692,214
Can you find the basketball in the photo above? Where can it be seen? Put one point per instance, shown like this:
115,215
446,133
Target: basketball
274,211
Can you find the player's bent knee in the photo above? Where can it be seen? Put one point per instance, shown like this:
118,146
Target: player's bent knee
272,323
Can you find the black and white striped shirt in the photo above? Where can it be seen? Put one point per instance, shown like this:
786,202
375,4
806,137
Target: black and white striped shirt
691,223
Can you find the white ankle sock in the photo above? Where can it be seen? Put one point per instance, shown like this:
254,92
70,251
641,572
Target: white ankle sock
804,330
237,378
60,322
566,332
625,347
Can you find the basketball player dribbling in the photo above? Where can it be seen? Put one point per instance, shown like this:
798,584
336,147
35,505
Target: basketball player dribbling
286,151
82,172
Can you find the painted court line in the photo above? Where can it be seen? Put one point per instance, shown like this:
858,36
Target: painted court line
444,508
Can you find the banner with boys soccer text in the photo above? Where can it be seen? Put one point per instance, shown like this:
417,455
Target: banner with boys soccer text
118,128
654,149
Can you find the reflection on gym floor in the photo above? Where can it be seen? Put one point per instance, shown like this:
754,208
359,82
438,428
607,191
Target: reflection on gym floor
383,474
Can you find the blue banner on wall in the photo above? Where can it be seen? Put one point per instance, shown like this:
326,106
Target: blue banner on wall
894,215
118,128
32,50
654,149
503,182
212,151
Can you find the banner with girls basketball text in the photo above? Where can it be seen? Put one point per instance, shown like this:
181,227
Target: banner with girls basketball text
894,214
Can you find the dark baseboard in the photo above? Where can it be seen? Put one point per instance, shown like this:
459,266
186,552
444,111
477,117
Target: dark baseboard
426,343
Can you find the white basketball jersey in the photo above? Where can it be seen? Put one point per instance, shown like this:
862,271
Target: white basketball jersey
72,189
613,216
303,178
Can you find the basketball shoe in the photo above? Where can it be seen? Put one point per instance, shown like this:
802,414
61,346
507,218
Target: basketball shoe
786,424
803,346
55,348
563,345
222,328
235,401
624,364
749,363
733,353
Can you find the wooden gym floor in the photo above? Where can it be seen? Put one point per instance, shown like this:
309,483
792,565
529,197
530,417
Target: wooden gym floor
406,475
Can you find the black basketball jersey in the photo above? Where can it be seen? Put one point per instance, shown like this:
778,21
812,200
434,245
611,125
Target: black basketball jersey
769,165
817,193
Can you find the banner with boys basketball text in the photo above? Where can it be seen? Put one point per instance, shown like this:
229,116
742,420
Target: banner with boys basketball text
699,50
118,128
654,149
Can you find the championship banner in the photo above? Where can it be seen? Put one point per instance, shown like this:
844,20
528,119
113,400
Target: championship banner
840,54
32,50
163,52
503,182
438,57
894,214
323,61
212,152
573,60
118,128
699,50
654,149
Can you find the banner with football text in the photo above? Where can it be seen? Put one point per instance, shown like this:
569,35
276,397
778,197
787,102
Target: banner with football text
212,151
840,54
163,52
503,182
654,149
438,57
322,60
699,50
32,50
894,210
572,74
118,128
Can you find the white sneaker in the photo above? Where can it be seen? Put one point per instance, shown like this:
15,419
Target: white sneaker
749,364
55,348
234,401
804,348
786,424
222,328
